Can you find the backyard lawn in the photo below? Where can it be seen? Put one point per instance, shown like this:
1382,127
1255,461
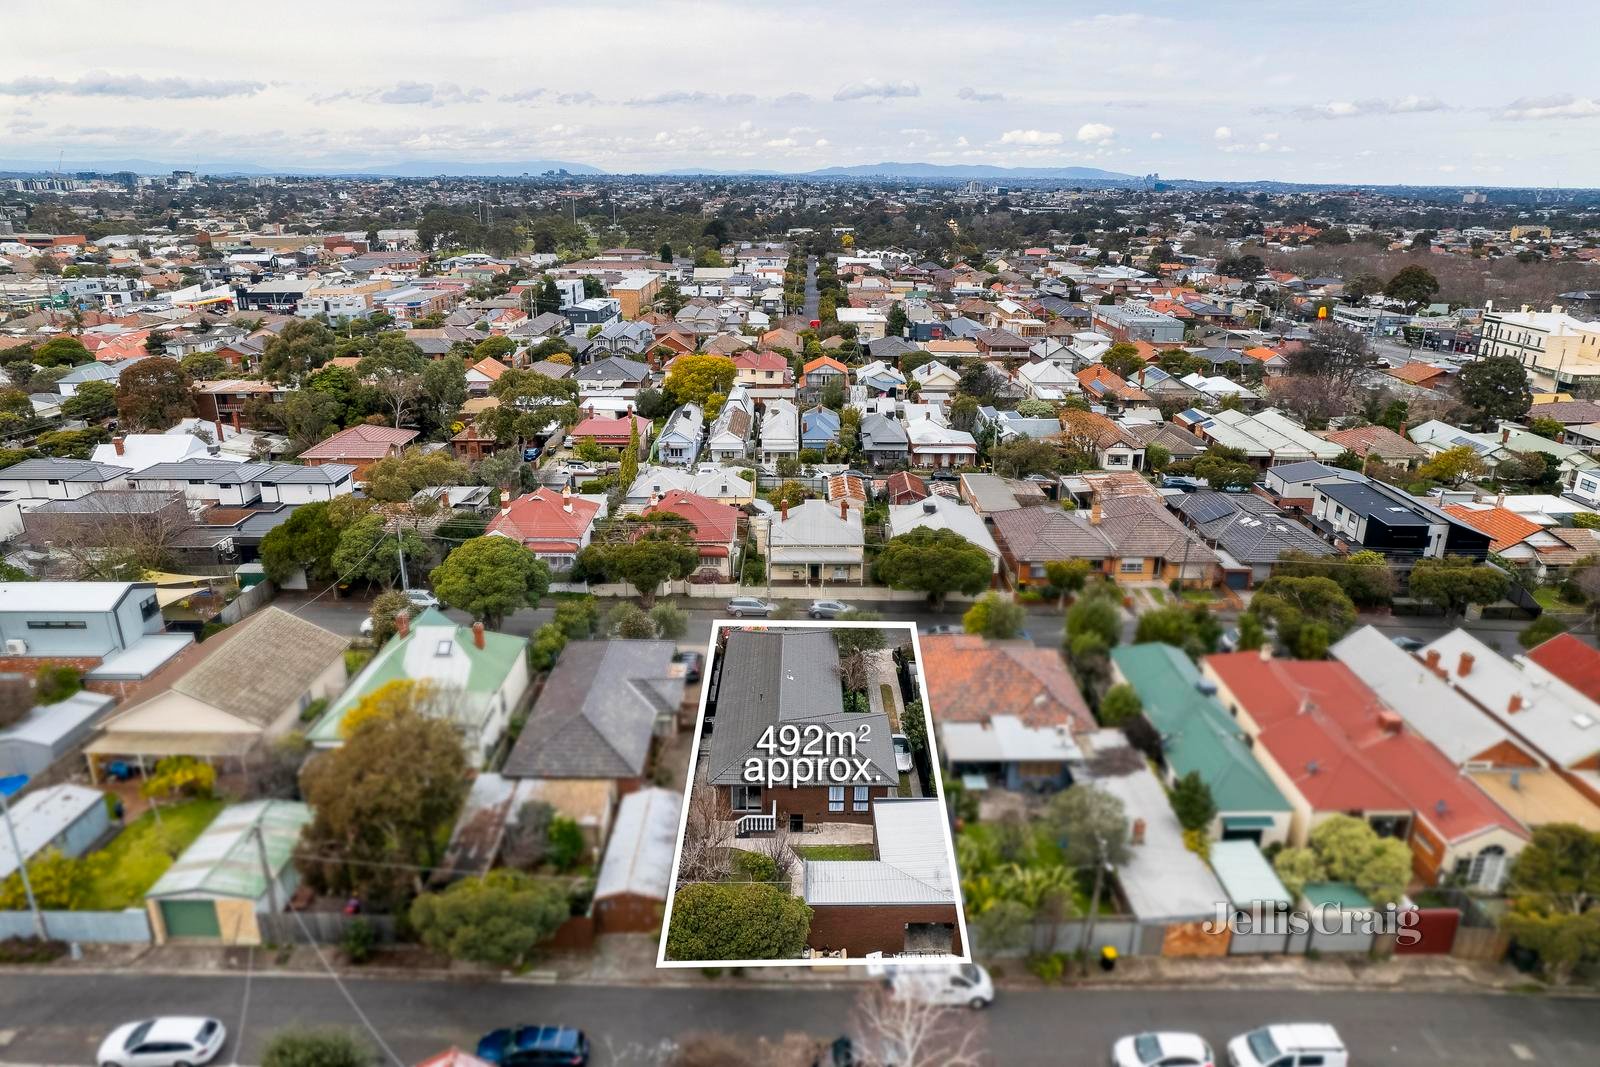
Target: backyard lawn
836,852
143,851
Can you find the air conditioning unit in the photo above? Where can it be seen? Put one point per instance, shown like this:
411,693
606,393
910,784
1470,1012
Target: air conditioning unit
15,646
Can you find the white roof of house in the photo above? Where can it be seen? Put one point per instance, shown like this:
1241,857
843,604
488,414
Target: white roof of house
941,513
1005,739
141,450
1445,718
65,596
1245,874
1555,718
1269,432
914,864
1162,880
643,845
925,433
42,816
814,523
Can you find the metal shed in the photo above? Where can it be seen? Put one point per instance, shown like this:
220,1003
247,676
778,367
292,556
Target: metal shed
71,818
51,731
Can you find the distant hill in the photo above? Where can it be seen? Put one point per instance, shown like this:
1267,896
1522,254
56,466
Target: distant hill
960,171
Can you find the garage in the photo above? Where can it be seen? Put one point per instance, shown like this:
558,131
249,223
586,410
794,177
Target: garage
190,918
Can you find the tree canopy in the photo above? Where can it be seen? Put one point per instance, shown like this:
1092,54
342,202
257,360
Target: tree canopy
498,919
737,921
935,562
154,394
491,577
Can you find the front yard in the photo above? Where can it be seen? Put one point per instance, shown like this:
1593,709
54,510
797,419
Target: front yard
144,850
836,852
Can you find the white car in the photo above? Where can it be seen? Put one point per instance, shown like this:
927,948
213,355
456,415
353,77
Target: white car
1289,1045
1161,1050
902,753
421,599
948,985
170,1041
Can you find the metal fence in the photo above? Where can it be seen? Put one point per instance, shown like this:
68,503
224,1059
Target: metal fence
321,927
129,927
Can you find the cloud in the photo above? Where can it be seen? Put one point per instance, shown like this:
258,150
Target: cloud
1156,135
1560,106
676,97
1222,133
1095,133
411,93
99,83
1031,138
791,100
979,96
1355,109
876,89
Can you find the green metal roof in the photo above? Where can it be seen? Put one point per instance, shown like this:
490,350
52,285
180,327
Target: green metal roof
403,658
1246,875
1197,734
1340,894
225,860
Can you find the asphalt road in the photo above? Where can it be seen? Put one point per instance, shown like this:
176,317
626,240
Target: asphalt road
60,1019
1044,625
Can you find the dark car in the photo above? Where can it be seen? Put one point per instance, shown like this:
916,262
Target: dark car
942,628
693,664
534,1046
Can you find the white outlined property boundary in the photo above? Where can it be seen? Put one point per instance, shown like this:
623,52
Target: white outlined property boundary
938,786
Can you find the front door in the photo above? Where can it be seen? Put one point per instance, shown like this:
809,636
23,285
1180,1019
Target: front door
816,572
797,822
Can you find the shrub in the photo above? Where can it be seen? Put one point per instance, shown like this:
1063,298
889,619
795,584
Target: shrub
756,866
564,846
56,682
1048,968
671,622
317,1048
359,940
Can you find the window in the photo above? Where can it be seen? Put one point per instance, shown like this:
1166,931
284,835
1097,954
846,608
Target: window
861,800
58,626
836,798
1131,566
444,648
745,798
149,608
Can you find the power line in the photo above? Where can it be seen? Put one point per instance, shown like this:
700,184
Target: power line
348,996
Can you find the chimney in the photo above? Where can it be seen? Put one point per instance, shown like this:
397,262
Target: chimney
236,426
844,510
1402,429
116,443
1464,667
1137,832
1505,434
1500,501
1432,659
477,634
1514,705
402,623
1094,512
219,431
1266,651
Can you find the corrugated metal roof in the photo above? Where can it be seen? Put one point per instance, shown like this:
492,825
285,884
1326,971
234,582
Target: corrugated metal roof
225,860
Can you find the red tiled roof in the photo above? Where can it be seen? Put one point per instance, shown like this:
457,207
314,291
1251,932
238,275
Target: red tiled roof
1374,440
1416,373
1571,660
1344,750
971,680
903,484
545,519
490,368
361,442
715,523
604,426
761,361
1503,525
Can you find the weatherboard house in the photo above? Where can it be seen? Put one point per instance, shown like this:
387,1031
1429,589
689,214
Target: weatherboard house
774,679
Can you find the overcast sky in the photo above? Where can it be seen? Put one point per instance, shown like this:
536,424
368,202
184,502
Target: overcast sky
1471,93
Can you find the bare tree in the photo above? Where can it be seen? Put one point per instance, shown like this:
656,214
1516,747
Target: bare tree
707,835
855,671
913,1032
775,846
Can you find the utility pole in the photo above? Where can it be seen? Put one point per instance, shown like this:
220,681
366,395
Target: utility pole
7,787
400,546
1094,902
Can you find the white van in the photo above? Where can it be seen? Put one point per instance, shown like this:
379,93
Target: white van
1289,1045
946,984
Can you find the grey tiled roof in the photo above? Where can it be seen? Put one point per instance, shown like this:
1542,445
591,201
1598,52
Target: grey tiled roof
785,676
65,470
597,712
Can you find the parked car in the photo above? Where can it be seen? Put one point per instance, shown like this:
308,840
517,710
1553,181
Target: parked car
854,1052
1170,1049
1289,1045
827,609
163,1042
902,753
740,606
1408,644
534,1046
694,664
949,985
421,599
942,628
1229,641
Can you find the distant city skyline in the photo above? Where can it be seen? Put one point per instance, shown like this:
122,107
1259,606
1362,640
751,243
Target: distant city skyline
1293,91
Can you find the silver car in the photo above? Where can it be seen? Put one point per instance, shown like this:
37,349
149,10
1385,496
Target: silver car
740,606
827,609
170,1041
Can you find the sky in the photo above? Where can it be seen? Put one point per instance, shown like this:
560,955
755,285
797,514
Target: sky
1469,93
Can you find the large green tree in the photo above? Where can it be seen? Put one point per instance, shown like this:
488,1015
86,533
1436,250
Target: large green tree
498,919
368,551
302,346
394,367
491,577
154,394
694,379
383,805
1413,285
91,402
935,562
396,479
737,921
61,351
994,616
1496,388
1455,582
644,551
